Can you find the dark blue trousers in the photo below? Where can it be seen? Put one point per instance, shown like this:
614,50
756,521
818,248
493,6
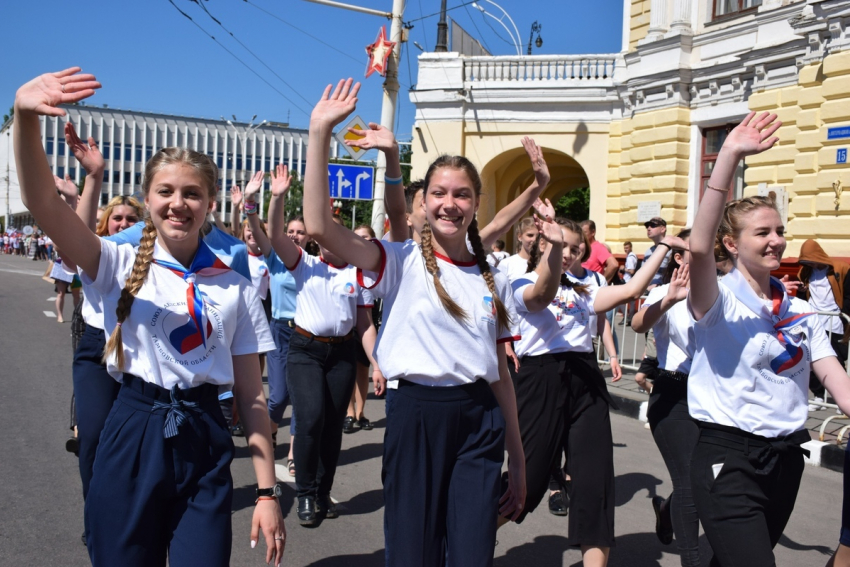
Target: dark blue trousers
94,393
276,363
443,454
154,497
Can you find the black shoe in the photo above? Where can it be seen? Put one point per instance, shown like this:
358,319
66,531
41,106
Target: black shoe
83,538
559,503
663,523
325,507
237,430
307,510
366,424
350,425
72,445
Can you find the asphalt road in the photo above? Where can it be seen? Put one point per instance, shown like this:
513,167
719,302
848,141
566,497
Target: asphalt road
41,504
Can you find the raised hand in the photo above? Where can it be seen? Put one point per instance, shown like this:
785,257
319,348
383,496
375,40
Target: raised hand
544,209
753,135
66,187
549,230
791,286
45,93
334,107
538,162
375,137
236,196
675,242
252,189
679,283
281,180
88,155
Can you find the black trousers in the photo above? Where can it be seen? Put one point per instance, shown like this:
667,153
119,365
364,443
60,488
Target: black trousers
541,395
320,379
443,454
676,434
745,487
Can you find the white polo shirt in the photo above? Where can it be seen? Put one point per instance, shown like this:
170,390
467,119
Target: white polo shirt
822,298
674,333
327,296
419,340
563,326
259,274
514,267
732,381
234,321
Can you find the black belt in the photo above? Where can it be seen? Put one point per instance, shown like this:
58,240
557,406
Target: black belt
671,375
763,452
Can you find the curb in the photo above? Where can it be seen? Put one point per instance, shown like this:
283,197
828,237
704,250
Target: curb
827,455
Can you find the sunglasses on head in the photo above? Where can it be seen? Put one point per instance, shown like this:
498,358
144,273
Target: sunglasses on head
652,225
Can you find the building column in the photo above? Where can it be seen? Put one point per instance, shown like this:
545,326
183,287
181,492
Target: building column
657,20
681,17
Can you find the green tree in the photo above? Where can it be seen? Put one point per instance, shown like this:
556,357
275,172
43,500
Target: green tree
575,205
6,117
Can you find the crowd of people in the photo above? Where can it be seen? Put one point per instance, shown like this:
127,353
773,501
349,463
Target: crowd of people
479,354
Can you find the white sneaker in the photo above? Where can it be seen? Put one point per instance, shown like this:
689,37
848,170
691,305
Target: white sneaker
816,407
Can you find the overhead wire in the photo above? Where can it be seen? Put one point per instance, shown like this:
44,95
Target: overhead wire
447,10
481,35
208,34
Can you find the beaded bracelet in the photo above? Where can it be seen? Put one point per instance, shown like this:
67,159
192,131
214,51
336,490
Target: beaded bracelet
250,207
393,180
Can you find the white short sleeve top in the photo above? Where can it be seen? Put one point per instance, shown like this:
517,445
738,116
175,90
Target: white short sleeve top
514,267
742,375
674,333
327,296
419,340
156,347
564,325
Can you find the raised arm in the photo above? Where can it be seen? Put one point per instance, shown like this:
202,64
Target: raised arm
42,96
288,251
89,156
644,319
236,211
514,210
538,296
611,296
382,139
344,243
252,193
752,136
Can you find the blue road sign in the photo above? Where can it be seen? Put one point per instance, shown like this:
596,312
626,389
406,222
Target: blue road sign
841,155
838,133
351,181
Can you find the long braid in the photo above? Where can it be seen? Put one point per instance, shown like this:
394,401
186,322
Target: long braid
534,255
137,277
487,274
581,289
433,268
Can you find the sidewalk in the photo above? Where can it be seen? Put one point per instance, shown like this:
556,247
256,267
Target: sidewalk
827,453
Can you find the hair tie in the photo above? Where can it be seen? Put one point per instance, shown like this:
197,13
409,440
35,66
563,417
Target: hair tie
119,323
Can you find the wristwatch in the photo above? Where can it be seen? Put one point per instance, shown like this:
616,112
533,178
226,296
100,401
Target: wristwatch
275,491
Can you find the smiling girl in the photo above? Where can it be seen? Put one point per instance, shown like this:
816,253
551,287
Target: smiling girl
454,409
161,488
755,346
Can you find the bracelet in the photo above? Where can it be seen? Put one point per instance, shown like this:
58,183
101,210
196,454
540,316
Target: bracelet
665,244
250,208
708,186
393,180
264,498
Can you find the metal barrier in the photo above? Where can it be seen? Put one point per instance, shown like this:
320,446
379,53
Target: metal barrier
631,345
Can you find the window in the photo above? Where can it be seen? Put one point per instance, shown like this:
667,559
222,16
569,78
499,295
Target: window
116,177
104,149
105,176
60,150
60,171
128,153
49,150
724,8
712,140
138,153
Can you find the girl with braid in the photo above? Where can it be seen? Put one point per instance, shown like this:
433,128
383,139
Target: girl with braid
161,488
454,410
561,393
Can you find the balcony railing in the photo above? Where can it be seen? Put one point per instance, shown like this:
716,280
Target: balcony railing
566,69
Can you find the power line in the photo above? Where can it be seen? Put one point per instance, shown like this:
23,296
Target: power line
208,34
447,10
481,35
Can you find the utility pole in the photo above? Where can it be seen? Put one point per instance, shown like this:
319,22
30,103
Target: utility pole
388,106
442,31
8,181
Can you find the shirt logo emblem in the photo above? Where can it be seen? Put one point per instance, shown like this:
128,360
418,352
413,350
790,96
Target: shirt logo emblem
349,289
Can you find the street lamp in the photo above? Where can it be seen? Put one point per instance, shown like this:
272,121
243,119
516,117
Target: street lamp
514,38
535,29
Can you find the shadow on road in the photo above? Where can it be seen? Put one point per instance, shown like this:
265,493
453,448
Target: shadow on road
785,541
360,453
364,503
629,484
544,550
374,559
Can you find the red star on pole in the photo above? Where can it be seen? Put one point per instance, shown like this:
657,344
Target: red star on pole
379,53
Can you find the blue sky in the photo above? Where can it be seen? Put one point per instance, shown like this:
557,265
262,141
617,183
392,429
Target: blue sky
150,57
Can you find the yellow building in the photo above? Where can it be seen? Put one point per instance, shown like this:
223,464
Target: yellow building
642,127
